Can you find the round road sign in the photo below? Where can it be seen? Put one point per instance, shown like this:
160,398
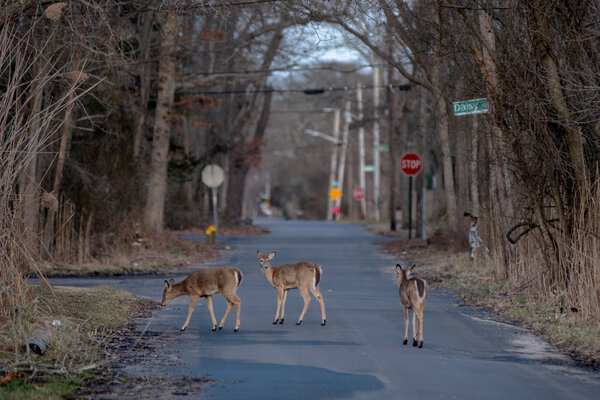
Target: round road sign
213,175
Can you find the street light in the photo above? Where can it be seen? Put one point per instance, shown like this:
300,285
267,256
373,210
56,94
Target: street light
323,135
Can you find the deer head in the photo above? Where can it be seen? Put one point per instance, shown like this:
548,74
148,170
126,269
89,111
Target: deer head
265,260
168,293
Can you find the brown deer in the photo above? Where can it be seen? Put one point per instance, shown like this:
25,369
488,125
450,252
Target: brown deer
303,276
413,294
205,283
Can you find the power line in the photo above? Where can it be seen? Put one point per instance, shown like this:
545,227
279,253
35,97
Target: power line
284,69
308,91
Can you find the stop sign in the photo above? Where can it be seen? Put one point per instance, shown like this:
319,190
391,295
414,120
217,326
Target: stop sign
411,164
359,193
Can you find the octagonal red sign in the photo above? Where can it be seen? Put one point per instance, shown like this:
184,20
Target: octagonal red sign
411,164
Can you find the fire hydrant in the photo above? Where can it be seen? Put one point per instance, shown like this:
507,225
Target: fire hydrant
211,233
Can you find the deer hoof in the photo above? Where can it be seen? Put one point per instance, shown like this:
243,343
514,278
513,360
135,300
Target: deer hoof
421,344
414,343
236,329
220,327
324,322
281,322
405,341
299,322
275,322
214,328
183,328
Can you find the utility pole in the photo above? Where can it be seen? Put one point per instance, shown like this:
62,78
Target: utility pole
361,152
334,160
342,161
392,136
376,172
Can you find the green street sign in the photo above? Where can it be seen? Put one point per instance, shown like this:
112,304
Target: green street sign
369,168
381,148
476,106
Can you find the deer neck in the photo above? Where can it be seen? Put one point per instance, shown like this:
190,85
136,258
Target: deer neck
402,280
179,289
268,273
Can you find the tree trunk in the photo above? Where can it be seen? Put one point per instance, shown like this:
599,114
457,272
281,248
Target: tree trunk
153,215
473,158
29,181
144,82
242,161
450,196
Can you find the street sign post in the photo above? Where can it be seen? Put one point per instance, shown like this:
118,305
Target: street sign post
213,176
475,106
411,164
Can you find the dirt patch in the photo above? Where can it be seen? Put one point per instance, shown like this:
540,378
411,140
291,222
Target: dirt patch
133,345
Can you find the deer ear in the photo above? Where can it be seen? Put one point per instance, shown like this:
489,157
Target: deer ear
272,255
411,268
258,254
398,268
166,285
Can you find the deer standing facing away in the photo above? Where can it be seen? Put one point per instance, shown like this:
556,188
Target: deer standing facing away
205,283
303,276
413,294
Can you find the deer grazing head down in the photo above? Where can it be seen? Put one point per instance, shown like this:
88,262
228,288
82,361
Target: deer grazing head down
304,276
413,294
205,283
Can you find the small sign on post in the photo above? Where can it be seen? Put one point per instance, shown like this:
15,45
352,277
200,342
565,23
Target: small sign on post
335,193
411,164
359,193
213,176
475,106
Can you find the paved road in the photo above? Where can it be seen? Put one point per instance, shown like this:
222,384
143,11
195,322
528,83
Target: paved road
468,354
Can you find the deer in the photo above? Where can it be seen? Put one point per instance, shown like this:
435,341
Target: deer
413,294
304,276
205,283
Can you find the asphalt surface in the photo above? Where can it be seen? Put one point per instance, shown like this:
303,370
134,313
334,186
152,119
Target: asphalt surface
467,354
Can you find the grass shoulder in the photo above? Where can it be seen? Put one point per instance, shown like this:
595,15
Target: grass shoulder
76,324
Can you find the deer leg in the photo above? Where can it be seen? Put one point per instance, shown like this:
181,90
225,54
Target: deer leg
421,328
232,300
317,293
304,293
405,310
229,307
209,305
414,324
279,296
285,293
193,302
238,306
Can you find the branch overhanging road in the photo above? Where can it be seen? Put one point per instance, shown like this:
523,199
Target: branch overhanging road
468,354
